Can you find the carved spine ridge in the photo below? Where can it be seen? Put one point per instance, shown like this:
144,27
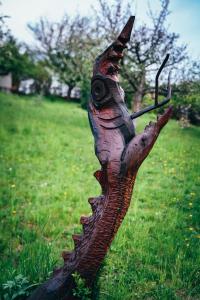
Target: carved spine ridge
120,153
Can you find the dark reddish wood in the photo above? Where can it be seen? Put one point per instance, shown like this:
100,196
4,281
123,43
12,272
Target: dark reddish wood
120,153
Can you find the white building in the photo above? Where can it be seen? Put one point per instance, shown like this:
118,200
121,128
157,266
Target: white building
6,82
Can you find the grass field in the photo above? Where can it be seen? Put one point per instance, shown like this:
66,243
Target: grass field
47,162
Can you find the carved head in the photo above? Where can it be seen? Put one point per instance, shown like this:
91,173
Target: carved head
105,86
107,63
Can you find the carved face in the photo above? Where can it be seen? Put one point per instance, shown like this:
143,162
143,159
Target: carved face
107,64
105,88
109,118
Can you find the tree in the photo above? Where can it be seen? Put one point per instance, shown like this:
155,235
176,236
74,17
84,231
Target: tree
18,60
64,45
120,153
12,61
4,31
149,45
186,93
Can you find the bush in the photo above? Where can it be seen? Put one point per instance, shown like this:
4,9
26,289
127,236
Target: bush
17,288
187,106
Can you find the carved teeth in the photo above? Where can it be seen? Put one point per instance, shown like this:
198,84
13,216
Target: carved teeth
66,255
117,68
115,55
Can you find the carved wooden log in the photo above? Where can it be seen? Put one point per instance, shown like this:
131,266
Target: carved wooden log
120,153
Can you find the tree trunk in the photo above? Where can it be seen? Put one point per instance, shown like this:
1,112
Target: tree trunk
69,91
15,86
137,101
137,98
120,153
116,177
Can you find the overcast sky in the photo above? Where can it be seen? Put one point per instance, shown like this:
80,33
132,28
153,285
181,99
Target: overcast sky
184,18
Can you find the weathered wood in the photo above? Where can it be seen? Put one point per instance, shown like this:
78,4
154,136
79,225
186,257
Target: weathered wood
120,153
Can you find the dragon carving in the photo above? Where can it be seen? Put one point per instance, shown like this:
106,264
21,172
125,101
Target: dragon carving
120,153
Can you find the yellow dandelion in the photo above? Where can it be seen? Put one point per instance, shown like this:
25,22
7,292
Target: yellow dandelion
191,228
190,204
192,194
14,212
12,186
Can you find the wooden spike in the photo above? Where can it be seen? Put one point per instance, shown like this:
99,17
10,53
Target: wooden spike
66,255
92,202
98,175
84,220
76,238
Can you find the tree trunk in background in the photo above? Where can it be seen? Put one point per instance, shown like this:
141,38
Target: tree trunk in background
70,88
137,101
15,86
137,98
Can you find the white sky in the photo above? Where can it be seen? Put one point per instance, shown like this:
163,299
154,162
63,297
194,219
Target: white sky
184,18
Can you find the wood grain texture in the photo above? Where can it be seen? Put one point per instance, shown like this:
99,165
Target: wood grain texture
120,153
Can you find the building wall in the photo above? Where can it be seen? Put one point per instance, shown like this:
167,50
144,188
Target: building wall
6,82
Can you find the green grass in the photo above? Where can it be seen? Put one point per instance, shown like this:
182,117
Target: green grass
47,162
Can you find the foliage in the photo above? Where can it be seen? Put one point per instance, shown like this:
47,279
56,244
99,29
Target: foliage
65,46
67,49
17,288
85,92
18,61
42,77
47,162
4,31
186,100
148,46
81,291
11,60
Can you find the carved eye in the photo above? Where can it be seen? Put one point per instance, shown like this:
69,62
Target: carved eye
99,90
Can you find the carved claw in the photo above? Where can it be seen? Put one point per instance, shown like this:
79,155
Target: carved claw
140,146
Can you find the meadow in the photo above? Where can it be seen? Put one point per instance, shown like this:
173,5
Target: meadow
47,163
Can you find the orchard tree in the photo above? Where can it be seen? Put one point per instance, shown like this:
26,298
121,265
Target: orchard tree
17,60
149,45
13,61
65,47
4,31
186,93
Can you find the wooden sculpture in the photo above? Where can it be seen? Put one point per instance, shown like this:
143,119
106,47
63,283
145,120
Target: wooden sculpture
120,153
